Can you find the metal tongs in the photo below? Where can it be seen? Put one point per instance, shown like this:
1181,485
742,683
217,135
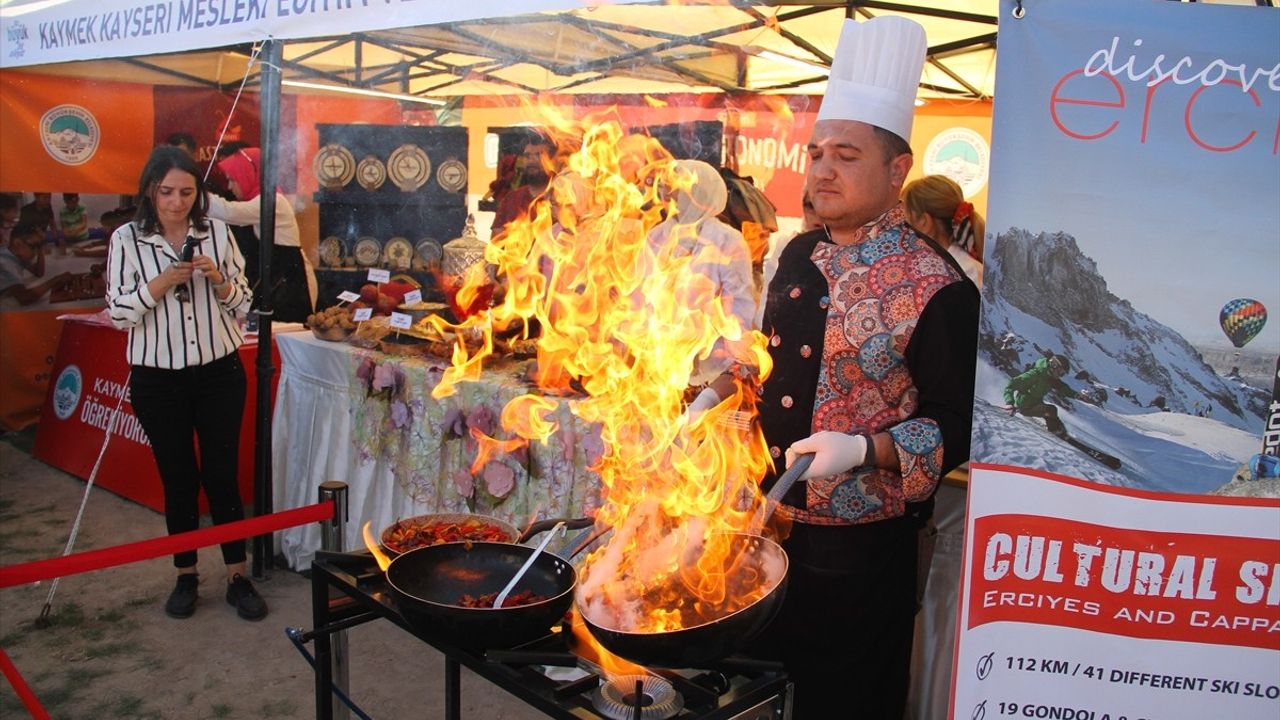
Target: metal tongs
502,596
779,490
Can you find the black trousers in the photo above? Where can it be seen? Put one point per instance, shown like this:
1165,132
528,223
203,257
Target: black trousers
1049,413
177,409
844,631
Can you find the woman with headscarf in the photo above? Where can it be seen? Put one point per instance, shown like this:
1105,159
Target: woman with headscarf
293,281
718,252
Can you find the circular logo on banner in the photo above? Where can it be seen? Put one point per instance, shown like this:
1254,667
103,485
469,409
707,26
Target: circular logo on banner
70,134
962,155
66,392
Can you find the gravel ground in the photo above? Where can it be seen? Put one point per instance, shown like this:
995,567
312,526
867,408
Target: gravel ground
111,652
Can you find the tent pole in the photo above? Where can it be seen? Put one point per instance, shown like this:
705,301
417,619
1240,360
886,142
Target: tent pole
269,112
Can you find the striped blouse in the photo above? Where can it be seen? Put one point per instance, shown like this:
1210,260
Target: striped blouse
166,332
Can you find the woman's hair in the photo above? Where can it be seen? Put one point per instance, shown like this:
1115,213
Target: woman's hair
940,197
163,159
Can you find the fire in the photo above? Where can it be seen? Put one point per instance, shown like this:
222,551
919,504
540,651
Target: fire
585,646
383,561
624,322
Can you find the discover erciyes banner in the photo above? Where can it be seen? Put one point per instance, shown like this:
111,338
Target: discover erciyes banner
1122,543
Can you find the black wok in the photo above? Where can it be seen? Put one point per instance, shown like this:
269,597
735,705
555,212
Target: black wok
429,583
695,646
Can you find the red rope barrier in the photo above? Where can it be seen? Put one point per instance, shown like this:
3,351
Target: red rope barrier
20,686
30,572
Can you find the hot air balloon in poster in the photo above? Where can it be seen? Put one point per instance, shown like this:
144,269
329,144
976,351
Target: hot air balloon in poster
1242,319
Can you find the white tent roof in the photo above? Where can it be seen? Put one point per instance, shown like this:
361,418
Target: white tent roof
445,50
503,47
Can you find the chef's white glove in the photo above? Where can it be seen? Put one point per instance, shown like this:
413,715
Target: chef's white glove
705,400
833,453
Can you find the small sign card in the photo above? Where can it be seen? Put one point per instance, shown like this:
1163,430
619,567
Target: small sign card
379,275
348,296
400,320
413,297
362,314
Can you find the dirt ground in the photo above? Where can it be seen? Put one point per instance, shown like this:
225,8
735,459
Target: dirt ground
111,652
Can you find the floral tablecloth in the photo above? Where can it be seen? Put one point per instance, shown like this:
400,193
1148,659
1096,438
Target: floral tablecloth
368,419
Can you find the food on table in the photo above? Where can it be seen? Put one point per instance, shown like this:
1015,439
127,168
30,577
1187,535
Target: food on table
334,319
524,597
413,533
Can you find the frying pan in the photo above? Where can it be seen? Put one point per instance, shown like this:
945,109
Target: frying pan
429,582
695,646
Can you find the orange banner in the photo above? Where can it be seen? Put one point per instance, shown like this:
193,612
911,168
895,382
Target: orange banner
63,134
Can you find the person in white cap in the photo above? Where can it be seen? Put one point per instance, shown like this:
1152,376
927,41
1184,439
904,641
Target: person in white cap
873,339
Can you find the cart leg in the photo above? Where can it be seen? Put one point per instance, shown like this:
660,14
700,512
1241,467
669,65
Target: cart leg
452,689
324,659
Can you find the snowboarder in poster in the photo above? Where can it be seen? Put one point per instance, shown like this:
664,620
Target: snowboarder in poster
1025,393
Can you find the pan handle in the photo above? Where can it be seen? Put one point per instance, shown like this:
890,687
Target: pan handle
544,525
779,489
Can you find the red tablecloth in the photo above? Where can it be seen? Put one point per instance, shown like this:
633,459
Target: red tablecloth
87,379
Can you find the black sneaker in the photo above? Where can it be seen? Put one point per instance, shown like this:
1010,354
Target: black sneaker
246,600
182,601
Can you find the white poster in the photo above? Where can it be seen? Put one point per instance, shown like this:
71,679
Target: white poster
1123,530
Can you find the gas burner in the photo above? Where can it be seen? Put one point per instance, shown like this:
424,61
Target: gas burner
657,699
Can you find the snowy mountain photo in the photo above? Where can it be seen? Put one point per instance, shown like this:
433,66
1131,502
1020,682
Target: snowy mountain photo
1138,405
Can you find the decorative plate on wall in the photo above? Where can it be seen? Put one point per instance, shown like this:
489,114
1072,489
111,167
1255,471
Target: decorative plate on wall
331,251
334,166
371,173
368,251
429,252
398,254
408,167
452,175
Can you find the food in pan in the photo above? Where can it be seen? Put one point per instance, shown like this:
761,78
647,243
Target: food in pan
412,533
524,597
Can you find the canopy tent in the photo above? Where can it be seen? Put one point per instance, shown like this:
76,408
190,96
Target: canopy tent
438,52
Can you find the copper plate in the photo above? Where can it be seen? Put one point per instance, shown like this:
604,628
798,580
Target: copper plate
367,251
371,173
334,166
408,167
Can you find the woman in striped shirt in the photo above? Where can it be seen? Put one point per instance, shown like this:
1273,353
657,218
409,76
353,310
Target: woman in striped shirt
176,282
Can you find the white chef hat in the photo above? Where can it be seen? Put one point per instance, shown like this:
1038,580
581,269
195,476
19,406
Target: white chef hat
875,73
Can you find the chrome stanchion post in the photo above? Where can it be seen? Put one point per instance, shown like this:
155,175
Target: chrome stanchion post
332,532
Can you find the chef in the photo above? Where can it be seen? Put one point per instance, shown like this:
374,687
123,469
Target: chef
872,330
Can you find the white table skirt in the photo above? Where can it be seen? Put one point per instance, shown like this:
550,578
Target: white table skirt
936,623
326,427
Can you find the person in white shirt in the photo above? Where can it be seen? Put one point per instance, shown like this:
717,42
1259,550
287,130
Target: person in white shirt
292,278
719,253
186,383
936,206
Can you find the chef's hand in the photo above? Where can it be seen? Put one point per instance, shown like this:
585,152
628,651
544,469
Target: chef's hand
1011,409
833,453
705,400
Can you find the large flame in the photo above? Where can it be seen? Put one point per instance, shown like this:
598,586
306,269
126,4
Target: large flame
623,324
